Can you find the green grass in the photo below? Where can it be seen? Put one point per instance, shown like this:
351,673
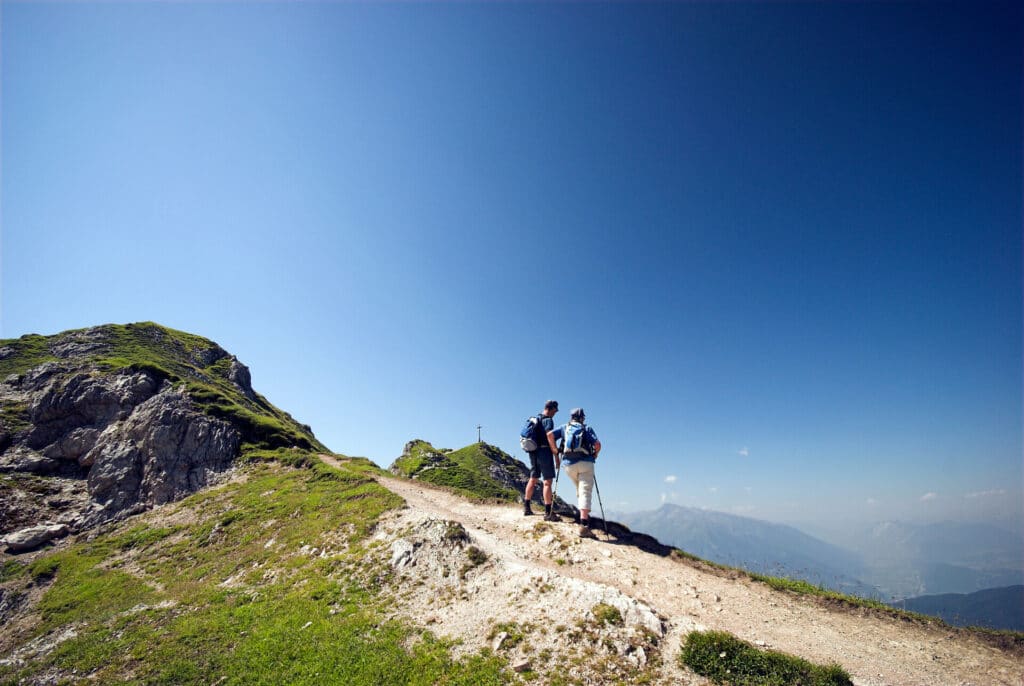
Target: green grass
419,456
474,558
85,591
466,471
14,417
725,659
607,614
11,569
514,634
143,536
29,351
44,569
227,591
805,588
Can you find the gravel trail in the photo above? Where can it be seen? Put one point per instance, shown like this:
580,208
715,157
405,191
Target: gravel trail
877,650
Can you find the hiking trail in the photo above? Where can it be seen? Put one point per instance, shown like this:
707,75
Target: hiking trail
525,553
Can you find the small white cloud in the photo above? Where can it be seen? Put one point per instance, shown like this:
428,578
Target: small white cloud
986,494
713,489
872,501
748,489
929,496
664,497
743,452
670,479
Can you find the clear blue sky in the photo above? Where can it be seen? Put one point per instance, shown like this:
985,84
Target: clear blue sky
773,249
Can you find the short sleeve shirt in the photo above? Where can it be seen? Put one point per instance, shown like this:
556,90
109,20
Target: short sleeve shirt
547,424
557,433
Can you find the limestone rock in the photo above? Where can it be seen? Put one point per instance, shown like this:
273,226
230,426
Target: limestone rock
86,401
165,450
402,553
33,537
240,376
74,445
111,440
27,461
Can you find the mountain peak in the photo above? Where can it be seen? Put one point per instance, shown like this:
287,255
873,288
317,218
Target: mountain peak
126,416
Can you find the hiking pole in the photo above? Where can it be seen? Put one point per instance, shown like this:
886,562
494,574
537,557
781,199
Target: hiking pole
554,491
598,490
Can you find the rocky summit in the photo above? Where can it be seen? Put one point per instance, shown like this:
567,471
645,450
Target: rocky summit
104,422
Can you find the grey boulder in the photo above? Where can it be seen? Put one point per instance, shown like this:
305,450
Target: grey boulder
33,537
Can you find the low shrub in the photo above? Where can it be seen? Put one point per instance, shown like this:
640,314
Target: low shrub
607,614
725,659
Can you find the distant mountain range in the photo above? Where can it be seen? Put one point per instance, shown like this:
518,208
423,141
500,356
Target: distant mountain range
890,561
754,545
906,560
995,608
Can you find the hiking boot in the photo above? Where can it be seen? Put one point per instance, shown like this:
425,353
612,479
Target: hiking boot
585,532
551,517
526,508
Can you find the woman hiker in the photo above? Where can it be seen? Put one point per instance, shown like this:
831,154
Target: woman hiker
579,453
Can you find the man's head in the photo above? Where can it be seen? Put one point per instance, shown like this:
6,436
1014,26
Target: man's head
578,415
550,408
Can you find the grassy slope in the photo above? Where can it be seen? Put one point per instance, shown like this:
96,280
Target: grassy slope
464,470
173,355
221,588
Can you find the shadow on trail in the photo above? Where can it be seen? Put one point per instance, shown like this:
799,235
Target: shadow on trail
620,534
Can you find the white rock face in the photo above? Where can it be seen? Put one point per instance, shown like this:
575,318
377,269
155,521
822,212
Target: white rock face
402,553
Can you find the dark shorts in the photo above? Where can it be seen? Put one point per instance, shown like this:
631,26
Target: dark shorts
542,463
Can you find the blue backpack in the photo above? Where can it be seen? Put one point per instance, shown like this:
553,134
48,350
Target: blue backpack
578,440
528,437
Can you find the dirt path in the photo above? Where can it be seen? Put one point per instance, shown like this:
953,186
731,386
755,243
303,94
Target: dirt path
876,650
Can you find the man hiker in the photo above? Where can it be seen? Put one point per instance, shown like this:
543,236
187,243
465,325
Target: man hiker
579,452
542,459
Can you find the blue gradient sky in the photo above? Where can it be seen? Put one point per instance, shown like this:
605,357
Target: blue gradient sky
773,249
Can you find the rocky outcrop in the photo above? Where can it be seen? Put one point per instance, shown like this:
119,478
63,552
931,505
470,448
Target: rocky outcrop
163,451
505,469
84,441
67,416
240,376
130,441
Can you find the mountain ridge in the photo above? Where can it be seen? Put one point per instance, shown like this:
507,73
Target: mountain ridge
288,563
994,608
755,545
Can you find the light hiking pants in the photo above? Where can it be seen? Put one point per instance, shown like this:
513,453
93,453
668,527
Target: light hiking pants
582,474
